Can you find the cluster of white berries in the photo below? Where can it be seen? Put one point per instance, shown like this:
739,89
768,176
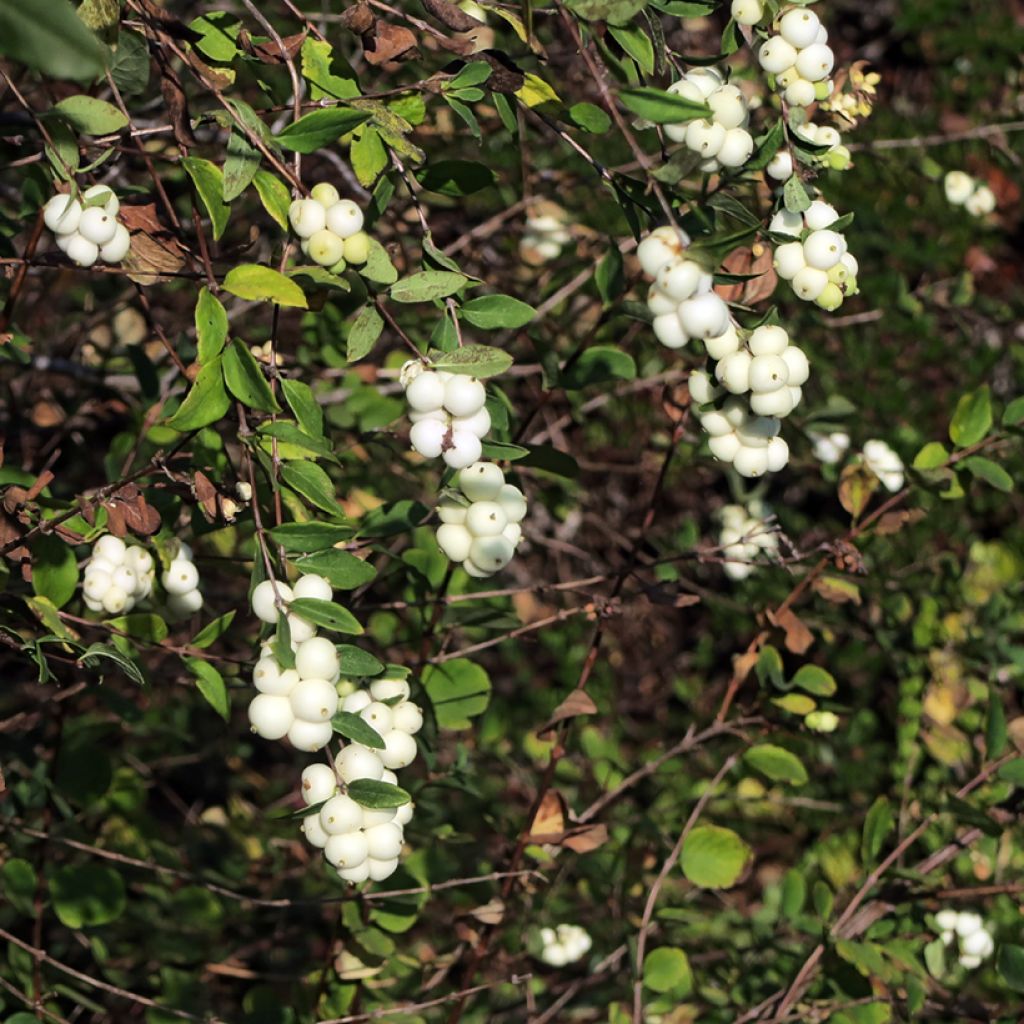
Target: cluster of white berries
744,534
330,228
87,229
681,298
884,463
722,140
480,527
181,582
295,702
974,196
545,234
973,938
799,58
564,944
116,576
449,417
362,842
763,377
817,264
830,448
836,156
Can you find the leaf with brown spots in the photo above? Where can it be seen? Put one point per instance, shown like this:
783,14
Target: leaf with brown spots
856,485
837,590
388,42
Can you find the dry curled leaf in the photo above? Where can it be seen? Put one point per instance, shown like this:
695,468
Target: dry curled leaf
747,261
837,590
492,912
586,838
577,703
451,16
358,18
798,637
856,485
155,251
549,822
388,42
205,494
269,52
893,522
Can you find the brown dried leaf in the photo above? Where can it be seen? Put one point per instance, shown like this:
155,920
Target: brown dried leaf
155,251
451,16
837,590
388,42
856,485
577,703
269,52
492,912
115,519
746,260
358,18
549,822
586,839
893,522
206,494
798,637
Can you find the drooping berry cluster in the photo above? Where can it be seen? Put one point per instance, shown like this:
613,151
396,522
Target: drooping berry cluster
974,196
968,931
884,463
799,58
564,944
480,523
448,414
744,535
545,234
181,582
836,156
116,576
817,264
681,298
299,701
363,842
768,368
88,229
330,228
722,140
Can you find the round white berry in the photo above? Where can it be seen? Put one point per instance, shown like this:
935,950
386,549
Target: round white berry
809,283
736,148
185,604
463,396
733,372
799,367
358,762
399,749
706,79
307,217
270,716
768,340
780,167
486,519
427,437
403,814
316,587
789,260
660,247
778,454
768,373
772,403
356,701
799,27
820,215
658,302
513,503
751,462
96,584
815,62
800,93
481,481
96,225
407,717
464,451
479,423
309,736
958,186
706,316
786,223
705,138
114,600
346,850
757,431
313,831
669,331
425,392
316,658
117,248
325,247
714,422
62,213
679,281
378,716
340,814
360,873
264,599
325,194
181,577
776,55
81,251
357,248
728,107
318,783
824,249
314,700
454,540
451,511
384,842
746,12
389,689
345,219
702,388
724,447
491,553
379,870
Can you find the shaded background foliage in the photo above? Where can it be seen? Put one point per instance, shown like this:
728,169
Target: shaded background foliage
145,843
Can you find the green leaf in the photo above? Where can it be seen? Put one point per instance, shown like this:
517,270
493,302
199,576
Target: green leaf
54,569
96,653
205,403
816,680
1010,964
459,689
91,116
995,724
1013,414
370,793
368,156
240,166
456,178
211,326
878,823
363,335
142,626
263,284
767,147
303,403
991,472
211,685
357,662
636,43
218,33
931,456
87,895
352,727
326,614
596,365
714,857
494,312
274,196
473,360
615,12
283,643
343,570
320,128
320,67
662,107
309,536
667,970
209,182
378,267
213,631
1013,771
609,278
19,886
590,118
972,419
475,73
245,379
427,285
776,763
309,480
130,66
47,36
794,196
